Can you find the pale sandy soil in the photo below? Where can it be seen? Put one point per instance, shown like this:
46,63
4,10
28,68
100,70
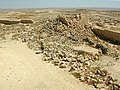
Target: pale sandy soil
111,65
22,69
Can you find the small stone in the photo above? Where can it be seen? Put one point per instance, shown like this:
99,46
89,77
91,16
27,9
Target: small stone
38,52
66,60
62,66
103,73
73,60
82,79
71,69
88,63
76,74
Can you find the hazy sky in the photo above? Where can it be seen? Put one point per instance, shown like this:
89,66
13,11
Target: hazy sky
58,3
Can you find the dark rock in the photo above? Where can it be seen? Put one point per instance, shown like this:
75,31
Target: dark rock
100,24
71,69
103,48
26,21
76,74
63,20
89,41
107,35
37,52
62,66
8,22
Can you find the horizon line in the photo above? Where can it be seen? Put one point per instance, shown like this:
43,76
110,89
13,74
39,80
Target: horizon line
63,8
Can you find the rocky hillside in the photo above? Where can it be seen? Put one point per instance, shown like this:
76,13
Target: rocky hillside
68,42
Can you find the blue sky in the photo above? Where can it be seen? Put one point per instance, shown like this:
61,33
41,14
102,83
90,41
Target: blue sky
58,3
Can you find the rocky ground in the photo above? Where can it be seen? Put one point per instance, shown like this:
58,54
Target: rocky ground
66,39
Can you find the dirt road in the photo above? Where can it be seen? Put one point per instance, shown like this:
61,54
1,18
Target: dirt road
21,69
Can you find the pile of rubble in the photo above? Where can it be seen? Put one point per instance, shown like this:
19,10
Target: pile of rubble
56,39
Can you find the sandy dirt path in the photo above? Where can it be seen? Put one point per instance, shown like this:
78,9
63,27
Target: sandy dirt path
22,69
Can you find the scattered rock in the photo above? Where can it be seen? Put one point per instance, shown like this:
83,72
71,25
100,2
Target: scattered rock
66,42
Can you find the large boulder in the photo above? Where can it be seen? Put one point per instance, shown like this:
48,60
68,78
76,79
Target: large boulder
8,22
26,21
107,35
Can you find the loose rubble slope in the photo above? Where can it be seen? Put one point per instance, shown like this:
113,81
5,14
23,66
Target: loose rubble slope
67,41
